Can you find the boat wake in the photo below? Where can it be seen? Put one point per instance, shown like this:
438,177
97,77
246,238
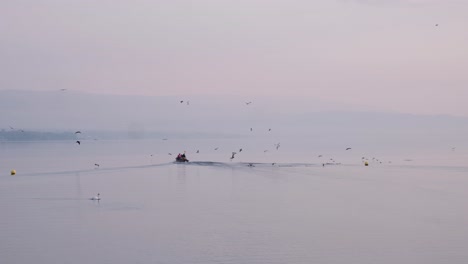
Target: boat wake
213,164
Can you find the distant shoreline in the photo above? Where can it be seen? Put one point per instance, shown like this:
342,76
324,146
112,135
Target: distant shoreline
22,135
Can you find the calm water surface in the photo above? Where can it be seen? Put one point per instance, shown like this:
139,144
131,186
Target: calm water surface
155,211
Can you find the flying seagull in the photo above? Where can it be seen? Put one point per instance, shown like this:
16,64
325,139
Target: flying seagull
78,132
240,150
269,129
198,151
319,156
348,148
247,103
78,142
97,165
182,101
233,153
216,148
277,146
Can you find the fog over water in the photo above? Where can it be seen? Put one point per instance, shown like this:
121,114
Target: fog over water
278,105
214,210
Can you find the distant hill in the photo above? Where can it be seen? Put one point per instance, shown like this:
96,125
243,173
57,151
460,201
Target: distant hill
118,116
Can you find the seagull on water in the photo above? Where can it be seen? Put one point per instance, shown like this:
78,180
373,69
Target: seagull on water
96,198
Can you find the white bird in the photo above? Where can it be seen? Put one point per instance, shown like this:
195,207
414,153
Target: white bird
96,198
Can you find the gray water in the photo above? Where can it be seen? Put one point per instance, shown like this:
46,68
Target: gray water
214,210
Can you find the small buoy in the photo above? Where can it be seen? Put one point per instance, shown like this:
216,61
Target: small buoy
366,163
13,172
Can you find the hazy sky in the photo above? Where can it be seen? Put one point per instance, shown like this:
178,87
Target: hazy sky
380,54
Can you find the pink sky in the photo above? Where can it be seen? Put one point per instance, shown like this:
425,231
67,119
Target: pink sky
383,55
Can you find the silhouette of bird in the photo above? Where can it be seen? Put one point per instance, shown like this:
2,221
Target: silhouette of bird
248,103
240,150
198,151
170,154
436,25
251,129
97,165
233,153
319,156
181,101
216,148
269,129
164,139
96,198
348,148
78,132
78,142
277,146
250,165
